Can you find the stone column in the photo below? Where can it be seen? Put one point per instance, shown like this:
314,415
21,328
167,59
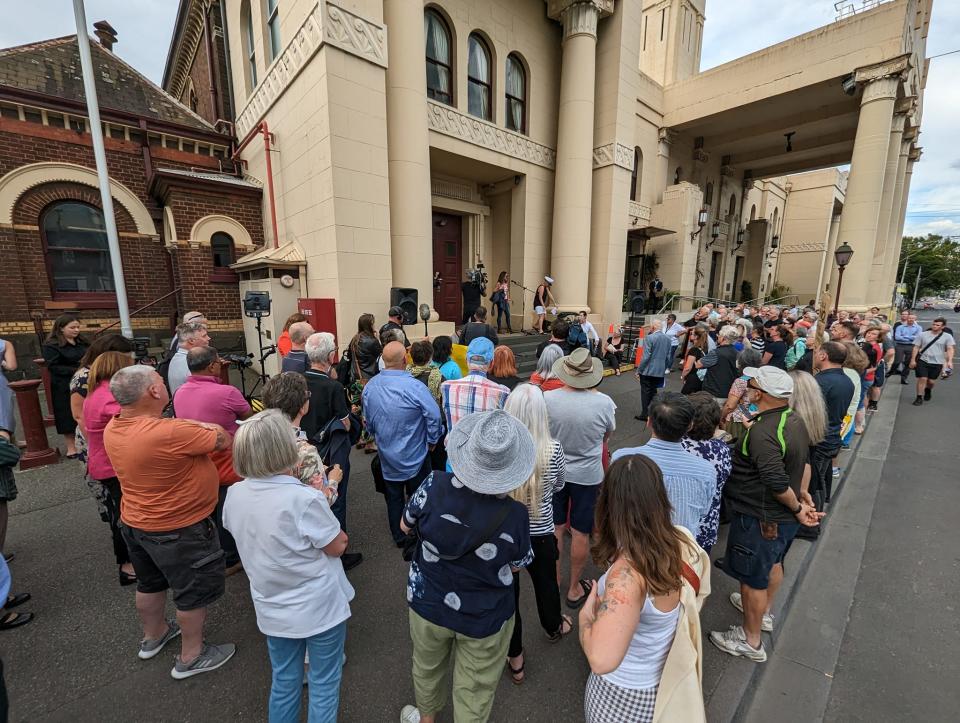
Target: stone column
886,202
570,262
897,222
860,220
408,150
882,277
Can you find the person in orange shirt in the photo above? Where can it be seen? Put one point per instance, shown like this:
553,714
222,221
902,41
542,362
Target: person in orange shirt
284,345
169,486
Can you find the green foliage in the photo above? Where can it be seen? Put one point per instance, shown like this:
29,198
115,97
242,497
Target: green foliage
746,291
778,291
938,260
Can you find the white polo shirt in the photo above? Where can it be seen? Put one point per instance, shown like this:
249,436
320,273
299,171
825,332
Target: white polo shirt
281,526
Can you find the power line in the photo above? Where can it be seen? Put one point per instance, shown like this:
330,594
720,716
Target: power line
940,55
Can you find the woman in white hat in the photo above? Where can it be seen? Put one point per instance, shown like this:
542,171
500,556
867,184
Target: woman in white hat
472,537
541,299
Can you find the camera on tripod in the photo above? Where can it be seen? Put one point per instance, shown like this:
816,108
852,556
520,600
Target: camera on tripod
478,276
241,361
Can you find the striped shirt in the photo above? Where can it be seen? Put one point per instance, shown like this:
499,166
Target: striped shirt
554,476
690,481
473,393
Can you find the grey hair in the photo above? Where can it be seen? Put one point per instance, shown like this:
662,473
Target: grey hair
130,383
808,403
655,325
545,363
265,445
730,333
319,347
286,392
800,332
388,335
748,357
192,316
186,332
299,332
199,358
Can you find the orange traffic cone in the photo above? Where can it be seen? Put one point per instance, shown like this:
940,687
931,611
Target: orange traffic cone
639,355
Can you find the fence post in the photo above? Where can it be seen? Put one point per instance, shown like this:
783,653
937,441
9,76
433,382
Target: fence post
39,452
48,419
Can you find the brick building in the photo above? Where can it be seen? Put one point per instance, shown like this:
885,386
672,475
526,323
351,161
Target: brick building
183,211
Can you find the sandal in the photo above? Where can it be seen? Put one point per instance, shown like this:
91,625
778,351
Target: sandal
516,674
15,620
565,622
15,600
578,603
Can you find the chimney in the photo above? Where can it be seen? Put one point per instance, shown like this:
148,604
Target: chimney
105,34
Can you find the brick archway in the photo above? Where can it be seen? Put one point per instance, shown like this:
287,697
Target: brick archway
31,204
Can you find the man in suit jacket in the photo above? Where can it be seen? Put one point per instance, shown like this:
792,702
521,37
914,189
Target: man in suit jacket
653,366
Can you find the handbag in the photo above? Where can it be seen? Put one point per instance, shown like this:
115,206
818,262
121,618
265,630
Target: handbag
412,540
497,296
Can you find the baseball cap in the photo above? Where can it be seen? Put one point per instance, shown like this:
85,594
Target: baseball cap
395,311
775,382
549,280
480,350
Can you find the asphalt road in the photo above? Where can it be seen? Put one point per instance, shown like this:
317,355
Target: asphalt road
898,658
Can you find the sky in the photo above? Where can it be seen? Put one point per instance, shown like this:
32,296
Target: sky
733,28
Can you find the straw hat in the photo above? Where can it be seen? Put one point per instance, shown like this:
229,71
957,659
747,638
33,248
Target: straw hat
579,370
491,452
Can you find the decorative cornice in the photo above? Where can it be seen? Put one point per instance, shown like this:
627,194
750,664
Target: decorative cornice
580,18
555,8
638,215
803,246
187,36
893,68
880,89
325,23
915,154
613,154
355,35
451,122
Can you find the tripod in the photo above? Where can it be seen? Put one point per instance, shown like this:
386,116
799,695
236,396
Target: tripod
265,352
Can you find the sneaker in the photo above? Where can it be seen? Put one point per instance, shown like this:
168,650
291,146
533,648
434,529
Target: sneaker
918,402
149,648
836,475
766,624
410,714
926,394
210,658
734,642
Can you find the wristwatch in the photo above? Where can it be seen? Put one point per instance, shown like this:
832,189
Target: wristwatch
798,510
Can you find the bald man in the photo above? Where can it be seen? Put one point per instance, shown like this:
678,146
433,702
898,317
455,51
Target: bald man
404,418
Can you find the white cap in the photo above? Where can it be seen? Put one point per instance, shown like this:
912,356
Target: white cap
548,279
775,382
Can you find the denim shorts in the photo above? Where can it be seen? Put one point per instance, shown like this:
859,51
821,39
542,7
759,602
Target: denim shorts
749,558
580,500
189,561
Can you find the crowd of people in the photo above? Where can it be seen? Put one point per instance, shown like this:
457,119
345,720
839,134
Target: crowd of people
483,475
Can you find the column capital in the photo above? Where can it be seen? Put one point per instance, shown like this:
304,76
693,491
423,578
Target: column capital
897,67
667,136
915,154
580,18
556,8
880,89
906,105
899,119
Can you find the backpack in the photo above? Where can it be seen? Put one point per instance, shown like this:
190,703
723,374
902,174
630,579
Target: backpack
577,337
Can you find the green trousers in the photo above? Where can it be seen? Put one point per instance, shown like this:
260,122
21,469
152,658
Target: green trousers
477,667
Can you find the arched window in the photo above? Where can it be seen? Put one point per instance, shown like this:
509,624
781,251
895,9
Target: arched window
678,175
635,176
516,95
77,255
732,210
753,212
221,244
478,78
273,27
439,54
249,46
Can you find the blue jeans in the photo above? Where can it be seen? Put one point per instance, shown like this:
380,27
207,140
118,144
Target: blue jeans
326,666
503,309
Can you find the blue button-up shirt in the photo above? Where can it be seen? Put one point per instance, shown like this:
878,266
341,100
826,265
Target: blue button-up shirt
404,418
690,481
906,333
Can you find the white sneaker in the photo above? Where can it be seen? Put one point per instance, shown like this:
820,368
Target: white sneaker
766,624
410,714
836,472
734,642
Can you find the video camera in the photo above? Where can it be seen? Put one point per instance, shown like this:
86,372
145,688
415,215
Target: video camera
478,275
241,361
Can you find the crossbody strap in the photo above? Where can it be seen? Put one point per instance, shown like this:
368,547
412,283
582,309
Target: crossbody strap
930,344
690,576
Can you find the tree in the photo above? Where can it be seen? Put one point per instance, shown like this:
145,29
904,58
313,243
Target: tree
938,260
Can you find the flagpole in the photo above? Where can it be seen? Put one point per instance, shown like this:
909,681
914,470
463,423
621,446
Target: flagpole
96,134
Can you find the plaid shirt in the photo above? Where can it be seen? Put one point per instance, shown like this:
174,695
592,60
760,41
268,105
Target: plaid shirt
473,393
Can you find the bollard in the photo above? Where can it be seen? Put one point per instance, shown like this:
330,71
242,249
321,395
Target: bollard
39,452
48,419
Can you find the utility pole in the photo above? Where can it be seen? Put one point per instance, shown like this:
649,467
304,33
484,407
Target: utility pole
96,134
916,287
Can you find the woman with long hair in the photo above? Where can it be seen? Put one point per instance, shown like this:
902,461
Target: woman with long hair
633,615
364,351
696,350
284,345
855,366
501,299
62,351
99,408
503,368
526,404
544,377
808,404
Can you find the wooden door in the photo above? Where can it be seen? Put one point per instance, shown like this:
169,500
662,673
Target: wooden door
448,262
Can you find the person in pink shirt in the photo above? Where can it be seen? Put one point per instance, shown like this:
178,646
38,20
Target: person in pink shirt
203,398
100,407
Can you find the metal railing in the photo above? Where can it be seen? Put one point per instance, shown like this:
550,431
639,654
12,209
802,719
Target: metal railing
142,308
696,302
846,8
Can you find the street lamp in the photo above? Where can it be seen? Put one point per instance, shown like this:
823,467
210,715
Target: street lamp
714,233
842,255
701,222
736,248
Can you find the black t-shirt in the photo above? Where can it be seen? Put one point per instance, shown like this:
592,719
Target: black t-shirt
474,330
395,325
509,382
778,350
772,322
692,383
471,295
327,401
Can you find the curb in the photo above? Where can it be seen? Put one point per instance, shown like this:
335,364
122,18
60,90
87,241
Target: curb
795,682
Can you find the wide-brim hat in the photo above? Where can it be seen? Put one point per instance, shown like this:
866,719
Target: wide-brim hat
579,370
772,380
491,453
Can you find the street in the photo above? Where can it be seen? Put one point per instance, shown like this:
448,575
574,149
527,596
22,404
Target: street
77,660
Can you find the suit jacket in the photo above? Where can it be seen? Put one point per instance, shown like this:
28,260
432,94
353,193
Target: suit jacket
656,351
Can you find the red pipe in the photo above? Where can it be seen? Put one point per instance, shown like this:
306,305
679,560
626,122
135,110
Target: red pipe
262,128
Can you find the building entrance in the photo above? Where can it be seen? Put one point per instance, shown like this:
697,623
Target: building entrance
448,263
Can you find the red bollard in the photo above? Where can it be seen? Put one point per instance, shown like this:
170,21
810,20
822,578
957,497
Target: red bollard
39,452
48,419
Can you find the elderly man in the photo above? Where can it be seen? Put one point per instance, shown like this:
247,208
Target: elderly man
721,365
404,419
191,335
653,366
474,392
191,317
203,398
296,358
169,487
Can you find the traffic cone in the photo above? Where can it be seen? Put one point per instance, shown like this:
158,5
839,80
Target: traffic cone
639,355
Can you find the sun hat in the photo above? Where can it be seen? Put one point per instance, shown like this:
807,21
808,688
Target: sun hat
480,350
579,370
491,452
774,381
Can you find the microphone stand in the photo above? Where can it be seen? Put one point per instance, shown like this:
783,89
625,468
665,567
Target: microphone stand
523,304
